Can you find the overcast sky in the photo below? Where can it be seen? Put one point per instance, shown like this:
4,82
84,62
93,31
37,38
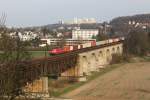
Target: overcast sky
39,12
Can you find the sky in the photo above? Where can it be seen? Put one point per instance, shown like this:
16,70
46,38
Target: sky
23,13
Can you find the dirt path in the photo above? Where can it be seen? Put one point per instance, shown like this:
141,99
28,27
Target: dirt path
129,82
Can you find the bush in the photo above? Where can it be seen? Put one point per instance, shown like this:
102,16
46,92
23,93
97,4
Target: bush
136,43
118,58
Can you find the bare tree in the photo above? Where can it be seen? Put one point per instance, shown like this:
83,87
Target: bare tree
15,68
45,31
12,69
62,42
3,20
136,42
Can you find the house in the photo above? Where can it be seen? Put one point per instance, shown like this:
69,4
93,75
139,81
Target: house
25,36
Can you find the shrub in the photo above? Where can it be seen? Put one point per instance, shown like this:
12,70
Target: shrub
136,43
118,58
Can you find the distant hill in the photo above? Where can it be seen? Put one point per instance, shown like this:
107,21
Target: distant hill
121,24
142,18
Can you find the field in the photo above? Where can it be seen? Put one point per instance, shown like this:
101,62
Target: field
36,54
128,82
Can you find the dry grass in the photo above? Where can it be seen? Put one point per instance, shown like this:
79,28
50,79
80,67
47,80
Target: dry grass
129,82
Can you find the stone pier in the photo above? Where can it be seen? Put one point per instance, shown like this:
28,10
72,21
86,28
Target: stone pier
39,88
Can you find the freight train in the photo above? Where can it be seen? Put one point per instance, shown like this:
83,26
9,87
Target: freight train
80,46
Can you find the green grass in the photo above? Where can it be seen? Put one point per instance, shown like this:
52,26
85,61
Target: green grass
76,85
67,89
36,54
147,58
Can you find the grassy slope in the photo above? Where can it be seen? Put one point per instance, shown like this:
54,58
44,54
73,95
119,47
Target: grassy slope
94,75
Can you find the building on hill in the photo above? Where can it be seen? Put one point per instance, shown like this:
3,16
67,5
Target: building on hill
84,33
81,21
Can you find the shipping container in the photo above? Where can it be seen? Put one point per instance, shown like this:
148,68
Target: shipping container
86,45
75,47
122,38
115,39
79,46
93,43
110,40
102,42
71,48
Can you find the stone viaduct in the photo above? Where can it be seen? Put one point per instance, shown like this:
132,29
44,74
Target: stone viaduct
93,60
90,60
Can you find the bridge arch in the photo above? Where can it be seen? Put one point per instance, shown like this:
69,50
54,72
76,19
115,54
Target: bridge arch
93,61
100,53
113,50
86,65
101,59
108,56
118,49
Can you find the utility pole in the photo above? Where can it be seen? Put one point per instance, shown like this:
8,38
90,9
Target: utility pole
104,27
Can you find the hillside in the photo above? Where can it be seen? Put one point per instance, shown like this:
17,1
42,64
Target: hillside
121,24
128,82
143,18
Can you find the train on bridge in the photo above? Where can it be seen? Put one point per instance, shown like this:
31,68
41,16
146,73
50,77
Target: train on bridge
74,65
66,49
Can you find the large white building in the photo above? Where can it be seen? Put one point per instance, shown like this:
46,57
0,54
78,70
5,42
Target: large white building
82,21
84,33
